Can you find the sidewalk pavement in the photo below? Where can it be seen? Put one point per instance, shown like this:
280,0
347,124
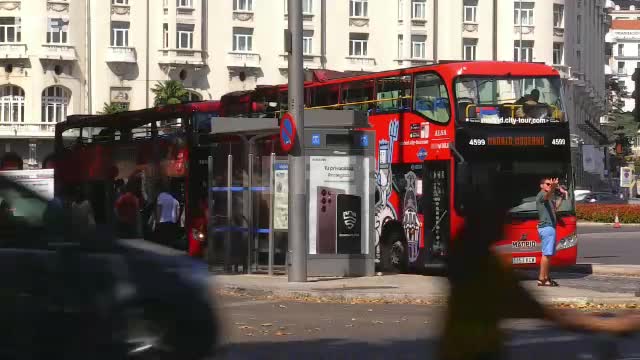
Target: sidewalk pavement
397,289
403,288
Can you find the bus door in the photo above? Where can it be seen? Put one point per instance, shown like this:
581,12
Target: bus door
436,210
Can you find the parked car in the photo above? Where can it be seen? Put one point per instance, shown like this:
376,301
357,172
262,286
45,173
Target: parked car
97,299
579,194
602,198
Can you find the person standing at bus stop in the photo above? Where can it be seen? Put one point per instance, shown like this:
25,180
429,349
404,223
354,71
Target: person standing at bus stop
547,204
167,215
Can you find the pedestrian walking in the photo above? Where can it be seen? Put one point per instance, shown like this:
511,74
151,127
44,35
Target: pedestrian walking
547,203
127,209
167,215
83,222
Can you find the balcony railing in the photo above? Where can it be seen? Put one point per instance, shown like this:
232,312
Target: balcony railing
13,51
27,129
360,63
182,57
243,59
59,52
118,54
308,61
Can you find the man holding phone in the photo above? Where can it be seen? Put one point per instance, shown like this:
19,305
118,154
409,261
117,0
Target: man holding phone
547,204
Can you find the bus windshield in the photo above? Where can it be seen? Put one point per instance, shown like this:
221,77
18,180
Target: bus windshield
511,101
526,174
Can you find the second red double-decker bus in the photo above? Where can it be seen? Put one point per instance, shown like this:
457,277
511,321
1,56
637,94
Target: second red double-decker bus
443,130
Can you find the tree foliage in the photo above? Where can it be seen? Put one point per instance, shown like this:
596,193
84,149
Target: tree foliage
169,92
111,109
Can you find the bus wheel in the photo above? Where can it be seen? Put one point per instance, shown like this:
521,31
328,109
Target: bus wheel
393,251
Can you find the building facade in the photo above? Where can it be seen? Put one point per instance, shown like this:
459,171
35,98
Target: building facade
116,51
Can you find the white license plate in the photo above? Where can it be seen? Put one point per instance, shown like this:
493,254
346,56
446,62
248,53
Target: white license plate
524,260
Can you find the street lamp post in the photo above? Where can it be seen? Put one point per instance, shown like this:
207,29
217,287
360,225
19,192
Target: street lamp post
297,271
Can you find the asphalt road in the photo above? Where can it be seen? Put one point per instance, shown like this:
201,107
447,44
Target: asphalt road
605,245
270,329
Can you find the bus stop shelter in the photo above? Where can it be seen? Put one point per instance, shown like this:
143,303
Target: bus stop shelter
248,194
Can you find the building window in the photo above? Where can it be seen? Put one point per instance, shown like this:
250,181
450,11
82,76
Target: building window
55,101
400,47
242,39
243,5
558,52
523,53
307,7
120,2
119,34
10,30
523,15
469,47
419,9
57,31
193,96
400,10
358,44
184,3
621,67
165,36
418,47
184,36
620,49
12,103
470,14
307,42
358,8
558,15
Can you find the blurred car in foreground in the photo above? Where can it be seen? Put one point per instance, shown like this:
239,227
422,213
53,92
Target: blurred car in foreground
93,298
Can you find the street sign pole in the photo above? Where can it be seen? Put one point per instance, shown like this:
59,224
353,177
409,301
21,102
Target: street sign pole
297,253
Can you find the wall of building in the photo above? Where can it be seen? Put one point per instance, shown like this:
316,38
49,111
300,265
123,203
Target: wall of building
103,73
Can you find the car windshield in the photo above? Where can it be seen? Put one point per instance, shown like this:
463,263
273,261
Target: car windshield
511,101
527,175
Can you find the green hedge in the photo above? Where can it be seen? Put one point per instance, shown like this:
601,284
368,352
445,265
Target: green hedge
628,214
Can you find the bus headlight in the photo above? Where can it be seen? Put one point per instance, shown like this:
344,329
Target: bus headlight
567,242
198,235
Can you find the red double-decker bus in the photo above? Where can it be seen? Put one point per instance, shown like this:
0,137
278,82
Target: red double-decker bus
442,130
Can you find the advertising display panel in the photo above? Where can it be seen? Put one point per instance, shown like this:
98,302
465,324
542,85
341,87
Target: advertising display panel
339,204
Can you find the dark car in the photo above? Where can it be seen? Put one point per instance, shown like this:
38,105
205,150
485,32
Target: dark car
602,198
93,298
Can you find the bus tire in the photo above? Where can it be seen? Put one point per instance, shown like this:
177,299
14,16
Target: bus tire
393,250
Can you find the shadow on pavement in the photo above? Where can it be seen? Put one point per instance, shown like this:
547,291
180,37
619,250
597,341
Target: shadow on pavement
539,343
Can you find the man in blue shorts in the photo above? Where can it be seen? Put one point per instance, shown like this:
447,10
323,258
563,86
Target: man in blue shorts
547,203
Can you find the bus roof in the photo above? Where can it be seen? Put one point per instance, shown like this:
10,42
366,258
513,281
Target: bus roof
449,68
136,118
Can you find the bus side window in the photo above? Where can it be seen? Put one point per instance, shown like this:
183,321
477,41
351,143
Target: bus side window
430,97
357,94
392,94
326,96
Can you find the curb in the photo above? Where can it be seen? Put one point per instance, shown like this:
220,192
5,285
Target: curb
597,224
604,270
336,297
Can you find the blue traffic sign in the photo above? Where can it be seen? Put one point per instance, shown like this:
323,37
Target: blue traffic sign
287,132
